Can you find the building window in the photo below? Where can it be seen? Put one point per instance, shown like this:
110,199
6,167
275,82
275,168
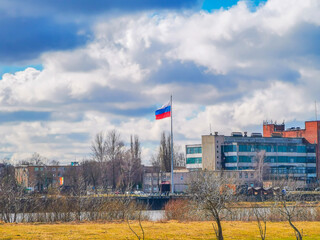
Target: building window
251,175
36,169
231,159
246,175
243,148
283,159
244,159
301,149
311,170
229,148
282,148
194,150
240,174
41,169
311,159
194,160
311,148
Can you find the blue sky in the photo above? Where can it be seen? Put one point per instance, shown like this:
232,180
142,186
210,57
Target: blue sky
72,69
211,5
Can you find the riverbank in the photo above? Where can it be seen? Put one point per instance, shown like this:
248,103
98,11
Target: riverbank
154,230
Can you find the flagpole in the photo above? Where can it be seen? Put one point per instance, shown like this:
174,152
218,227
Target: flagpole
172,183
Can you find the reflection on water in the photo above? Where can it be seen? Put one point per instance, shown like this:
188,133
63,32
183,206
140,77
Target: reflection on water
154,215
151,215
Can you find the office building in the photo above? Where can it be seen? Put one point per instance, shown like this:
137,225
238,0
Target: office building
278,154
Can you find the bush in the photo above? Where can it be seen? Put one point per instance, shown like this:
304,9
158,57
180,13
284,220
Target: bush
183,210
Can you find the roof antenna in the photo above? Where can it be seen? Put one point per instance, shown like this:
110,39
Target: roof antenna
315,109
210,129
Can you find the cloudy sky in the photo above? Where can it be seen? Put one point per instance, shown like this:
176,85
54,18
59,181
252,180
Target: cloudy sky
70,69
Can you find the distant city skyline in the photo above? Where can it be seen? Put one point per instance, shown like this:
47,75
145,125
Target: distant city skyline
71,70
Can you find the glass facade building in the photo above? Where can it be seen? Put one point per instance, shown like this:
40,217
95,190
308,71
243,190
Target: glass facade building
194,156
279,157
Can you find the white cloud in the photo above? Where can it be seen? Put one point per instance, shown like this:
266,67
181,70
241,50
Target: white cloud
230,68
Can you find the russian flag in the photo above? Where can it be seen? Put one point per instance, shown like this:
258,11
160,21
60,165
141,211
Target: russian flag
164,111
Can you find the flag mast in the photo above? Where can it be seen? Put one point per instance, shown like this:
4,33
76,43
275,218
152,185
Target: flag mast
172,183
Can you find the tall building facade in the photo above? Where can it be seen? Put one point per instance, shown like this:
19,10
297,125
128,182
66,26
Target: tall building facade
278,154
310,134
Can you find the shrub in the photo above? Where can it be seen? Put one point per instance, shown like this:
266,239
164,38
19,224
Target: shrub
183,210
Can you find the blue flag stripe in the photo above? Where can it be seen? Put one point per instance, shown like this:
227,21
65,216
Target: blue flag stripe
163,110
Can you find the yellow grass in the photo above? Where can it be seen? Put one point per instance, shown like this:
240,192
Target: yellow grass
154,230
271,203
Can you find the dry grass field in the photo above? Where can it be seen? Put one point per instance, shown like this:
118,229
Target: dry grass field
154,230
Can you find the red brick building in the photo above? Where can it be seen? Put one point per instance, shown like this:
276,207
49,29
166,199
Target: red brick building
311,134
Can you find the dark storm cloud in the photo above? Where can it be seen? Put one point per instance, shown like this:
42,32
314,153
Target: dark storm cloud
26,38
31,27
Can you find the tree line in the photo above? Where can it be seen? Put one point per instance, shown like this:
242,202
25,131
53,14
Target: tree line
111,166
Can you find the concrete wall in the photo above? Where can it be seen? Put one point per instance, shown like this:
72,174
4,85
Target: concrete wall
208,152
211,152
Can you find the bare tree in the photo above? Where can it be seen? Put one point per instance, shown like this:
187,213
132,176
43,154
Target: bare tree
35,159
92,173
115,151
98,165
178,157
260,165
10,194
78,182
140,225
261,215
155,162
213,194
164,154
131,166
290,205
108,153
54,162
99,147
